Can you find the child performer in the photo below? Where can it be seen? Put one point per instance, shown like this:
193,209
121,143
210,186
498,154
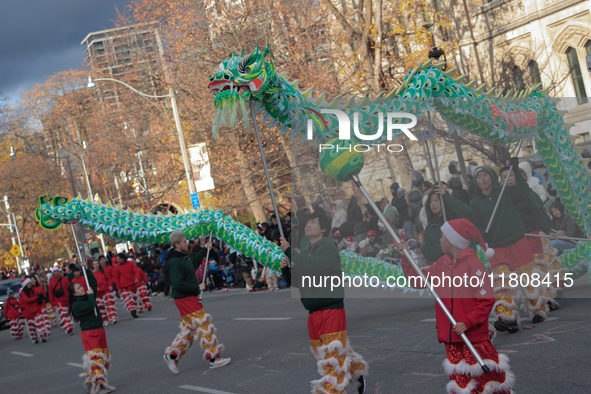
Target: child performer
110,295
101,279
30,308
196,324
142,291
60,299
96,358
337,362
470,303
12,311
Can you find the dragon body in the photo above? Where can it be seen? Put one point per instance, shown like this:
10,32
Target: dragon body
252,79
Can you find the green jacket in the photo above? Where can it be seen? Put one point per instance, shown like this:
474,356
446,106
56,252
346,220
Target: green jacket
181,268
533,214
311,266
454,209
507,227
85,309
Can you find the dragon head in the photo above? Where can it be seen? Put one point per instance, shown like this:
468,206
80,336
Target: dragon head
236,80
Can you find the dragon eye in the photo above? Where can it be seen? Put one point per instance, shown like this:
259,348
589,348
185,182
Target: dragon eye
242,69
226,76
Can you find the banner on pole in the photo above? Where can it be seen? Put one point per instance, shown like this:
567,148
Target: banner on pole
201,167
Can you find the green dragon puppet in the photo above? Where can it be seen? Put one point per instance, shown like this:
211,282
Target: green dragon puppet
251,79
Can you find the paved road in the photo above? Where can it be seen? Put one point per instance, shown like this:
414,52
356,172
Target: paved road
266,336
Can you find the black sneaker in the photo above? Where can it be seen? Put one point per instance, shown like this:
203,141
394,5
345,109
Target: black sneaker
537,319
134,314
43,340
361,388
504,326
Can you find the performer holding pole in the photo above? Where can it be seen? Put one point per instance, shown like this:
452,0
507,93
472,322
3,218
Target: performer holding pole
196,324
97,359
506,234
337,362
471,303
414,264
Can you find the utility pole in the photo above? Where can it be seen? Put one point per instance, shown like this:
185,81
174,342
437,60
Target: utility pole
10,224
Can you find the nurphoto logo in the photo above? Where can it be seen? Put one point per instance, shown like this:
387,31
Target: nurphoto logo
345,130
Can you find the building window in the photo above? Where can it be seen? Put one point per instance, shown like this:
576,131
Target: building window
577,76
588,47
534,72
518,78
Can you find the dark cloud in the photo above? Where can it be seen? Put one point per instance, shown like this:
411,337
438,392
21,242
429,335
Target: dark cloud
42,37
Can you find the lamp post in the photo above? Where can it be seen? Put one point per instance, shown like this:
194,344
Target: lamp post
11,224
90,194
177,121
142,173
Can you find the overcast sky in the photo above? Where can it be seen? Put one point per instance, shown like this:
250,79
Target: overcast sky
42,37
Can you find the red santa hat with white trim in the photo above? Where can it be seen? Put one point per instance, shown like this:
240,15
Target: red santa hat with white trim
25,282
459,232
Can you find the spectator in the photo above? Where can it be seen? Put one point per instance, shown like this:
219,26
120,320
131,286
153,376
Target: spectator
371,245
565,226
354,214
351,245
339,217
404,215
415,203
458,191
394,190
388,210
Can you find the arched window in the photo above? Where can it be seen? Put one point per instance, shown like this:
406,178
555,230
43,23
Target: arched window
534,72
588,47
517,76
577,76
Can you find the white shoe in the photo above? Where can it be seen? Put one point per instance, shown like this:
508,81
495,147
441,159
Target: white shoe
219,362
172,364
105,323
106,389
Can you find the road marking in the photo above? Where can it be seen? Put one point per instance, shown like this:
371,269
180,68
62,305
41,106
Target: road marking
429,320
152,318
23,354
203,389
75,365
262,318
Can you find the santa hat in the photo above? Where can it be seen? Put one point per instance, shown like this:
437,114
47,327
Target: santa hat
337,234
56,268
371,232
349,240
25,282
381,224
460,232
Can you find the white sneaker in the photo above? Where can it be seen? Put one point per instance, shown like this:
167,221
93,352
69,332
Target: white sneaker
219,362
172,364
105,323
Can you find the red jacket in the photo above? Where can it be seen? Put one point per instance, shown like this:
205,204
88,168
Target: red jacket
101,280
470,303
56,284
125,276
12,309
28,303
110,276
142,274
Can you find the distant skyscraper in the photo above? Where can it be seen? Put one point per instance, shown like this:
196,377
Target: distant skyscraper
130,53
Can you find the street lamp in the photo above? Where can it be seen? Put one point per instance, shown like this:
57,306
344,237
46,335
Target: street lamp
142,173
11,224
90,194
177,121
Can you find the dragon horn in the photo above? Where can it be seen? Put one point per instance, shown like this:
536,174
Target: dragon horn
242,53
256,50
233,54
266,51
